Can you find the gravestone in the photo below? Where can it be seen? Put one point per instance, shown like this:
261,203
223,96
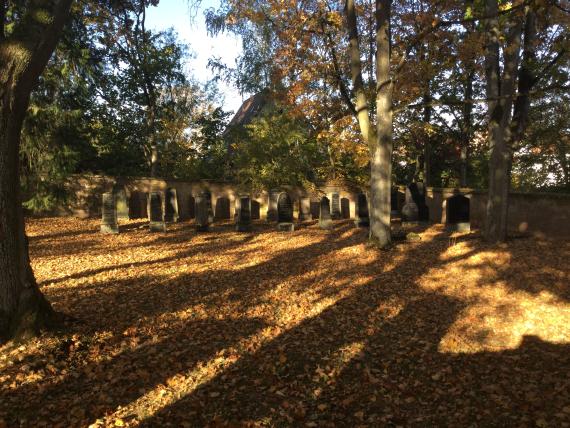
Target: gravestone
222,209
208,195
305,209
137,205
315,209
171,206
335,206
362,217
157,223
415,208
394,209
325,218
121,202
109,222
285,213
243,223
203,218
345,208
419,193
191,207
272,214
255,210
457,216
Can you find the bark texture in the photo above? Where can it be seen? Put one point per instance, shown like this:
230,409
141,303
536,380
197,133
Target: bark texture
24,53
500,93
378,136
381,162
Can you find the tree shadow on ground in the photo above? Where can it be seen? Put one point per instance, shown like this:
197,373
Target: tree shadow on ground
371,356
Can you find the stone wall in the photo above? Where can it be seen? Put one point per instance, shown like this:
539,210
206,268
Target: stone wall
535,213
85,195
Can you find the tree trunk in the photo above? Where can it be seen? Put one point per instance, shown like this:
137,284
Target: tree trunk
500,93
381,162
23,56
427,142
467,126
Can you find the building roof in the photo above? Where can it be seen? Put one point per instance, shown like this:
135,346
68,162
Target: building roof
249,109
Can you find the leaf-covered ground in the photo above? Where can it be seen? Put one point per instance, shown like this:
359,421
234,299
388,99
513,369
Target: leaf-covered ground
310,328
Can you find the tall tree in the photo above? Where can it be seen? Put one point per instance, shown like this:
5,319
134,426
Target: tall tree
379,137
29,31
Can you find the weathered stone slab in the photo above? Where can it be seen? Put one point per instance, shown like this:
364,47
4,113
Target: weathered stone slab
272,203
345,208
305,209
415,208
335,206
121,202
109,223
137,205
285,213
325,219
203,212
171,206
362,217
222,211
191,207
243,223
457,214
156,212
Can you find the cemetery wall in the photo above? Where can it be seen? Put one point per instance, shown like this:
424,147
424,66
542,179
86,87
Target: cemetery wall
535,213
85,194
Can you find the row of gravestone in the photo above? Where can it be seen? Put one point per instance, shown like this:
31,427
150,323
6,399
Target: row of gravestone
115,206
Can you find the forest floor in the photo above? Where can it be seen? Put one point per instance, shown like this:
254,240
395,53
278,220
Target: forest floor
309,328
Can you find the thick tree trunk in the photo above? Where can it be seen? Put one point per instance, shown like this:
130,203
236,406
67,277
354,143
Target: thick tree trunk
467,127
427,142
500,94
379,138
23,56
381,162
23,309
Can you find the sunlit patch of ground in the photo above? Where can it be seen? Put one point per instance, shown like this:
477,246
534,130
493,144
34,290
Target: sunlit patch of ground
310,328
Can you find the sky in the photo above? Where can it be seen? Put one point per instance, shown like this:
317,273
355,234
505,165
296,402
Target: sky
192,31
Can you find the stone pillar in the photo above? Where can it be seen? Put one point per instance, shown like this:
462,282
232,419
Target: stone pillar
109,222
156,212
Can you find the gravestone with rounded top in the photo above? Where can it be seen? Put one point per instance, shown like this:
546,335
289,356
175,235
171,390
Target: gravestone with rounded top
325,219
243,223
362,217
157,223
285,213
109,222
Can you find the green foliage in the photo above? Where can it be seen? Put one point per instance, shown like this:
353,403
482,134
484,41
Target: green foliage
274,149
